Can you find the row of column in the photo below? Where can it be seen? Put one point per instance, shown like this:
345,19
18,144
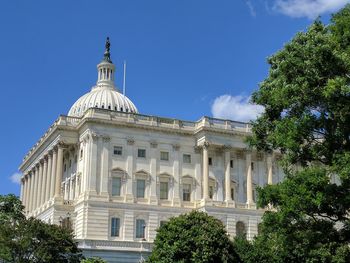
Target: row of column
227,160
43,181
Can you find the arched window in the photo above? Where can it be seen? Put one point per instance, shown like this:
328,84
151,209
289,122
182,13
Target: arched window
240,229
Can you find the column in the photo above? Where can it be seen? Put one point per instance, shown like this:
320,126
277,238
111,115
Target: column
27,191
249,178
269,169
153,199
44,179
198,173
105,166
30,194
129,197
49,176
36,187
40,183
205,171
22,190
53,173
227,174
58,179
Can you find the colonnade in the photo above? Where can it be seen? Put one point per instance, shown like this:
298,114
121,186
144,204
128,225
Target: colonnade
227,168
43,181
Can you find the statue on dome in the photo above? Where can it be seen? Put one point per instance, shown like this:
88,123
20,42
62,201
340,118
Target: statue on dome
107,55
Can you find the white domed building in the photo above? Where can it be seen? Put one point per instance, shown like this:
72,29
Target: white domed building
114,175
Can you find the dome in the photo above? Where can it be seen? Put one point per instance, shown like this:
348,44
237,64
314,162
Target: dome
104,95
103,98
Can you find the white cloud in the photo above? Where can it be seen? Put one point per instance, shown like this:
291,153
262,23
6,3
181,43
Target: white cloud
16,178
251,8
235,108
308,8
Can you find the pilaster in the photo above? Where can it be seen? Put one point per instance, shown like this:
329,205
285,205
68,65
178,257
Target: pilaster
153,173
129,196
176,201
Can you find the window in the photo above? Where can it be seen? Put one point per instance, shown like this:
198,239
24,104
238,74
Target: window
116,185
81,153
115,226
232,193
140,228
163,190
231,163
164,156
118,150
240,229
65,167
141,153
140,191
186,158
211,192
252,165
186,192
70,163
210,161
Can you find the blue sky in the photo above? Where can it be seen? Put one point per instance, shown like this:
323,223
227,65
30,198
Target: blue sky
185,58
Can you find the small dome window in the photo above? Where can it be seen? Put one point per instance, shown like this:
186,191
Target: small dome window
109,107
115,108
121,108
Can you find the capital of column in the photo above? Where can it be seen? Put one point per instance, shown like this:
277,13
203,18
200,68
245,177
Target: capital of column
153,144
176,147
106,138
130,141
206,145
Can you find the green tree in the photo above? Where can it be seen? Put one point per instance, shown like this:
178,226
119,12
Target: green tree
307,117
193,237
31,240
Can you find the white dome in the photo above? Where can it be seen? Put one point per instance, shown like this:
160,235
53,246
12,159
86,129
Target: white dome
104,95
103,98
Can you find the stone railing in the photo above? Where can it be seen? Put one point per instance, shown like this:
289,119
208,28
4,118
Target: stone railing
168,122
119,245
104,114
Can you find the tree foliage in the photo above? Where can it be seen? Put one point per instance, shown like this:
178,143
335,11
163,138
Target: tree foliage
31,240
307,117
193,237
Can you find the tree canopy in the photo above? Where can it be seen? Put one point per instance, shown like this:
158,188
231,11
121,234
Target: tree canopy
31,240
193,237
306,97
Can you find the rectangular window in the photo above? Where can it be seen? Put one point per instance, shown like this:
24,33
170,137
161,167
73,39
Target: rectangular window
118,150
232,193
252,165
164,156
211,192
163,190
115,225
116,185
186,158
186,192
231,163
140,228
141,153
140,191
210,161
